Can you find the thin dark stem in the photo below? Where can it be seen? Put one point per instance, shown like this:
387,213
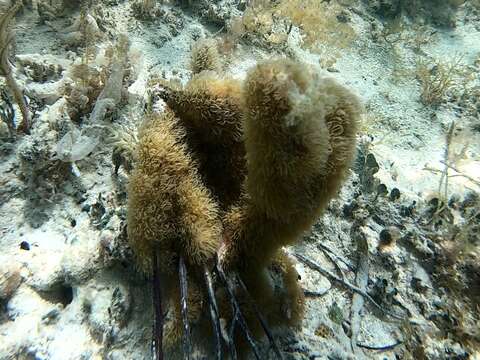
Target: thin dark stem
261,318
241,319
182,272
231,334
157,304
213,313
325,248
310,293
353,288
380,348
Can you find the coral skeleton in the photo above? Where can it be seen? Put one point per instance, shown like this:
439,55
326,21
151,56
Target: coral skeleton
229,174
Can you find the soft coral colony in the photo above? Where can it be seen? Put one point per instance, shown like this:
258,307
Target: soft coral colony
226,176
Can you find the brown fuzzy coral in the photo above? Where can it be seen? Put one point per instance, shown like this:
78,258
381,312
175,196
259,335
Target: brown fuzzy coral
170,210
210,106
171,213
300,140
210,109
272,153
205,56
300,135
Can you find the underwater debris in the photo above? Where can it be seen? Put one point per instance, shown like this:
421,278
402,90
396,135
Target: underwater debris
75,146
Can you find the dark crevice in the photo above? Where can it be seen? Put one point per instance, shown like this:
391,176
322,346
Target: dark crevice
62,294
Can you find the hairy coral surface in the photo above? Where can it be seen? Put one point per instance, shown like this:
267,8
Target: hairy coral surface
170,210
300,139
210,109
205,56
272,152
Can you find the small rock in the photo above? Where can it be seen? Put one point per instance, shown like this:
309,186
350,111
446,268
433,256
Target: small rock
371,163
385,237
51,316
24,245
382,190
394,194
388,238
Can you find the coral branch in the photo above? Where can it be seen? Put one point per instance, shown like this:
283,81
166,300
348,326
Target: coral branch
380,348
231,334
6,38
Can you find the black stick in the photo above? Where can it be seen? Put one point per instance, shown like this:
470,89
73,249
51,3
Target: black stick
157,305
241,319
231,334
213,313
353,288
380,348
261,318
182,272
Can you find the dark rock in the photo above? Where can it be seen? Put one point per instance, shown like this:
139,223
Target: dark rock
394,194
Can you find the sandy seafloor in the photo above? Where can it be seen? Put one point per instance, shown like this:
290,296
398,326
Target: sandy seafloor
74,295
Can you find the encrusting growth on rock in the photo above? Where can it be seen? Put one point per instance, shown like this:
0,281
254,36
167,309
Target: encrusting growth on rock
238,171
